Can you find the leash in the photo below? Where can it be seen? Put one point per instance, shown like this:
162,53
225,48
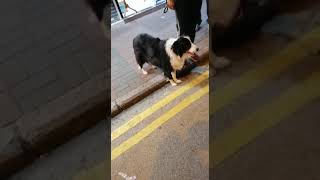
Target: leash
165,10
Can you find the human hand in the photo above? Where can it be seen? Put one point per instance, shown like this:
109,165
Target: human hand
170,4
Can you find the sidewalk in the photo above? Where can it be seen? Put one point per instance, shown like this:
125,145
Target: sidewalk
125,76
53,74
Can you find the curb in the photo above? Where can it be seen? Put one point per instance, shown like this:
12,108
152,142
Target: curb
125,102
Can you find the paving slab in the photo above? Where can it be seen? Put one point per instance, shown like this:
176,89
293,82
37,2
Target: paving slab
125,75
53,73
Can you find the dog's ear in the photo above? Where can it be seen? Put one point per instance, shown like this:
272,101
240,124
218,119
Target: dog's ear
181,46
177,48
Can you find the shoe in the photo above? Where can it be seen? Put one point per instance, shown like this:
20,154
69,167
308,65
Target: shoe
198,27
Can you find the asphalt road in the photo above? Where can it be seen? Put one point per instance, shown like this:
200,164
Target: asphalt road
265,110
171,143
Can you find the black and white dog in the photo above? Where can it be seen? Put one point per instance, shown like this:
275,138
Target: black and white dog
169,55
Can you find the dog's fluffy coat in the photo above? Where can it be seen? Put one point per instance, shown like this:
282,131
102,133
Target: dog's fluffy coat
169,55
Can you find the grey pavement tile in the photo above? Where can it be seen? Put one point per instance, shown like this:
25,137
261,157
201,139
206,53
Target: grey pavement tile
39,57
71,73
33,83
3,86
9,109
123,66
12,72
92,63
35,10
42,96
30,38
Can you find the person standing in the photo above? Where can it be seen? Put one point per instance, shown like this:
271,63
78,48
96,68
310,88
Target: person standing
188,14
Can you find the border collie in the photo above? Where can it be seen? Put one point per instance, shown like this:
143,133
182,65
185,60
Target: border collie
169,55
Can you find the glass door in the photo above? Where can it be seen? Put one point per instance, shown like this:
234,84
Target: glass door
122,9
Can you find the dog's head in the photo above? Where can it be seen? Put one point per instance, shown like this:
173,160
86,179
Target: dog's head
184,47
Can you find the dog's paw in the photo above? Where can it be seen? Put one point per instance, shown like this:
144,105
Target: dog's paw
144,72
178,81
173,84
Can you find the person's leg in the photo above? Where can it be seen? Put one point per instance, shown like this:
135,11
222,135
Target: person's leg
188,30
187,16
207,10
177,24
198,16
186,27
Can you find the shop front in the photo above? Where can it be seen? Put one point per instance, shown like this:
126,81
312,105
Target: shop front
126,10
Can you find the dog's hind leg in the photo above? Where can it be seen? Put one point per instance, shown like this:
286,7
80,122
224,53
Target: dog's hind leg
153,66
140,61
143,71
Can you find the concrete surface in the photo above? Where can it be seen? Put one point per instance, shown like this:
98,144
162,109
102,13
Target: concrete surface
288,149
84,157
281,106
148,87
82,152
294,24
177,150
125,76
51,55
128,84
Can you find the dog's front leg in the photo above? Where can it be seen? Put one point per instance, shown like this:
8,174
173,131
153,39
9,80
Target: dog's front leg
172,82
168,75
174,77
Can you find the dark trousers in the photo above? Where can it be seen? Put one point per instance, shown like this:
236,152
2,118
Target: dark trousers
188,14
207,8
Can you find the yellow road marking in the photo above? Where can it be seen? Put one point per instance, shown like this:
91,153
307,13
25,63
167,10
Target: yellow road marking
116,152
248,129
98,172
275,65
292,54
141,116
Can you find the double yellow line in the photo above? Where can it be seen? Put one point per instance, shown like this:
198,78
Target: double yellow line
278,63
98,172
116,152
123,147
143,115
246,130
